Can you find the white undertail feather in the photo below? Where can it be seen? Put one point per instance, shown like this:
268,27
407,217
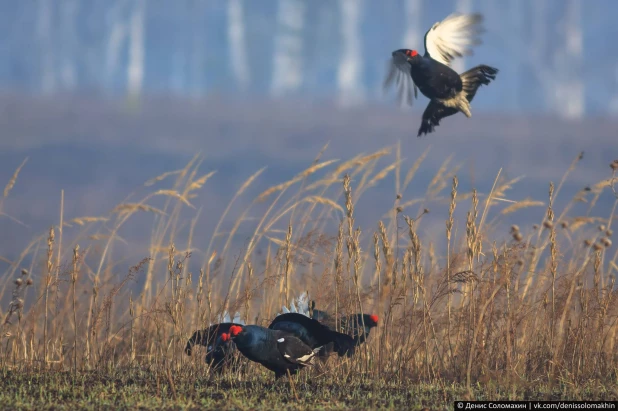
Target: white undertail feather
306,358
225,318
459,102
303,303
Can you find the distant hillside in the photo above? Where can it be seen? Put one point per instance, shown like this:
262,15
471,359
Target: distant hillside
99,151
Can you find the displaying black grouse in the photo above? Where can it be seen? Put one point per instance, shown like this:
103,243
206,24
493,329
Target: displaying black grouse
353,324
219,351
448,91
274,349
313,333
350,324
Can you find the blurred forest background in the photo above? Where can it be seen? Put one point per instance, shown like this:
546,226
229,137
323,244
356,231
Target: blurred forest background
101,96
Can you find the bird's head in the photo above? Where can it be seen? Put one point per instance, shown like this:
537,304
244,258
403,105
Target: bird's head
369,320
234,331
405,54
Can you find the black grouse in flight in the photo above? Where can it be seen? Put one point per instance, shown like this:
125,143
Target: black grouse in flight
447,91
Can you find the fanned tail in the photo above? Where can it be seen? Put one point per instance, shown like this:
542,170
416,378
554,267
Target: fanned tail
475,77
303,306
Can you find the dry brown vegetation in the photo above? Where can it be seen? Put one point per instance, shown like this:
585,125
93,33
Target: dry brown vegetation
533,307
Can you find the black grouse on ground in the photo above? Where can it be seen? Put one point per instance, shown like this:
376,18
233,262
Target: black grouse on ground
313,333
219,351
448,91
274,349
358,326
351,324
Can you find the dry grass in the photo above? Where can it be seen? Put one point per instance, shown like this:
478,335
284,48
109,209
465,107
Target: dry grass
534,307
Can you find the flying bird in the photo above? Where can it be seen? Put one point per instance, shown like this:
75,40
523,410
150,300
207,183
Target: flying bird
431,73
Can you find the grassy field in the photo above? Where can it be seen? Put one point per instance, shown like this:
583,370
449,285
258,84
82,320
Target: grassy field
193,390
528,312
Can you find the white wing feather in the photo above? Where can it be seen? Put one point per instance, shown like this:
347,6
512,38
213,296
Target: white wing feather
453,37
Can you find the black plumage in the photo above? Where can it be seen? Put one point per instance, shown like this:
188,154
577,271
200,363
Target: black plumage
278,351
219,353
358,325
313,333
448,91
435,111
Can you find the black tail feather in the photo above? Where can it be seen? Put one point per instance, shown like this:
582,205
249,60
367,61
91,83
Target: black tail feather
475,77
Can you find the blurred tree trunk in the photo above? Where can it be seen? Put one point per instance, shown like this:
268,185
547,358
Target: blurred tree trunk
350,70
135,68
45,41
288,56
463,7
236,39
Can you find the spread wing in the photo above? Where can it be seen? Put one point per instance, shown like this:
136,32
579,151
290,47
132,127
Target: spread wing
295,351
398,71
453,37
